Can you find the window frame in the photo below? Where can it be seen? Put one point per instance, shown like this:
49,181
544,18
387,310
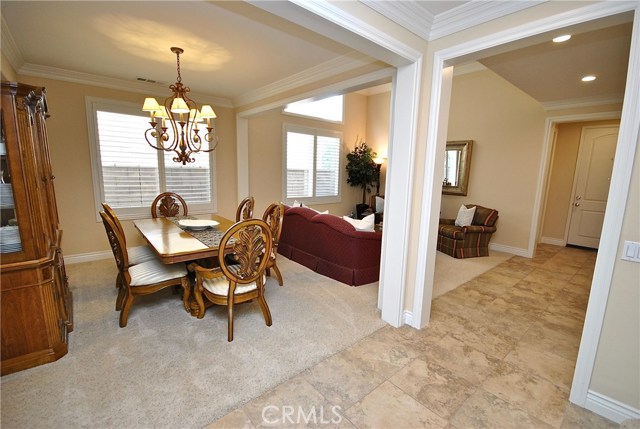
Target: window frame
95,104
287,127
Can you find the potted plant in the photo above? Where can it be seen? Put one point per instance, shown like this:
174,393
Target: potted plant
362,171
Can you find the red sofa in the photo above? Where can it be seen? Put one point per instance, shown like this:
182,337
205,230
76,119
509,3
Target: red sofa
330,246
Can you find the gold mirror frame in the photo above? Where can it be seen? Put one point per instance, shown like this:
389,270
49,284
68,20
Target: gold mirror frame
463,148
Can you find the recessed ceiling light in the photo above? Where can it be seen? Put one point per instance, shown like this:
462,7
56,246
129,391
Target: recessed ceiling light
588,78
561,39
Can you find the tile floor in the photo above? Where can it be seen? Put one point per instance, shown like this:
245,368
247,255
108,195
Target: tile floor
499,353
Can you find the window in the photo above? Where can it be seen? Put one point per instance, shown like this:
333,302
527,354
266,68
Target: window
329,109
128,173
313,164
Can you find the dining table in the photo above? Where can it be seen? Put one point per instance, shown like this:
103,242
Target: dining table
175,243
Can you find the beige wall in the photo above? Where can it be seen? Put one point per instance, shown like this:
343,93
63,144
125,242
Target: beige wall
6,71
71,163
616,373
562,171
507,127
378,121
266,158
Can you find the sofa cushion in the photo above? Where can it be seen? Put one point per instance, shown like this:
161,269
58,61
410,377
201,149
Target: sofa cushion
367,223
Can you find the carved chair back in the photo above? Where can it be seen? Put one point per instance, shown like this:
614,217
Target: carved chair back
273,216
169,204
245,209
252,245
112,214
117,243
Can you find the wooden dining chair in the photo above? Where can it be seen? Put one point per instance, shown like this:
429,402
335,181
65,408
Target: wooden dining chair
230,284
245,209
169,204
142,279
137,254
273,216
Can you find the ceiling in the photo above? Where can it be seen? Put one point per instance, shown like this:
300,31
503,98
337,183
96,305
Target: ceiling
234,49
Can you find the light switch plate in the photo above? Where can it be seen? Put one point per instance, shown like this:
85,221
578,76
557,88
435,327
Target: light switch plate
631,251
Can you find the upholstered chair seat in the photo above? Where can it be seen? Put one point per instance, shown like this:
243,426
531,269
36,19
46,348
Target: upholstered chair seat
154,271
140,254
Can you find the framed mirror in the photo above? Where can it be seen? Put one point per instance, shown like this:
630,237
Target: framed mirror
456,167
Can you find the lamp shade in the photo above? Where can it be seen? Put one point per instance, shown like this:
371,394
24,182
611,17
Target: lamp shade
197,117
179,106
207,112
162,112
378,160
150,105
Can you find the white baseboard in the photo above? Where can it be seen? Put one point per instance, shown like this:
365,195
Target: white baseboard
508,249
553,241
87,257
610,408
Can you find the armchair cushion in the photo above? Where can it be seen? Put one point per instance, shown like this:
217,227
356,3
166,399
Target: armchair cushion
465,216
220,286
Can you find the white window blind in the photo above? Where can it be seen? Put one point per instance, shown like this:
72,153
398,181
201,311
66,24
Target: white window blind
131,174
313,165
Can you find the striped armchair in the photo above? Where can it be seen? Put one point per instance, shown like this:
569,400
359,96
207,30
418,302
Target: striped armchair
468,241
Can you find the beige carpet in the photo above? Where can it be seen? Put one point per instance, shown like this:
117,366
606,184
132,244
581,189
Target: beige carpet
167,369
451,272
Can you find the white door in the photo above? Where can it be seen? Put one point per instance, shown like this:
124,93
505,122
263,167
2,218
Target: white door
591,184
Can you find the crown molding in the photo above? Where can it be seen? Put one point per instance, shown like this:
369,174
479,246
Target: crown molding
311,75
474,13
408,14
10,48
158,90
581,102
418,20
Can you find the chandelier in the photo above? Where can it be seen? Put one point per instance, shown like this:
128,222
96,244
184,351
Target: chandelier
180,114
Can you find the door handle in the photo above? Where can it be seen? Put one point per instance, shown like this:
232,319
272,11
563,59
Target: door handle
578,197
576,204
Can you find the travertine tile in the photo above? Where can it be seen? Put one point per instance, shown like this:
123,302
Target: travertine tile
560,267
532,360
382,353
484,410
578,418
497,278
389,407
550,278
294,404
531,393
237,419
462,360
433,386
552,341
342,379
417,340
514,269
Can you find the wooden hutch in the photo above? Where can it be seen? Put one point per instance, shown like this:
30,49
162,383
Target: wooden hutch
37,310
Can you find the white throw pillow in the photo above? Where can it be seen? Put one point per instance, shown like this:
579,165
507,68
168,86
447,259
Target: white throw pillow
465,216
365,224
379,205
